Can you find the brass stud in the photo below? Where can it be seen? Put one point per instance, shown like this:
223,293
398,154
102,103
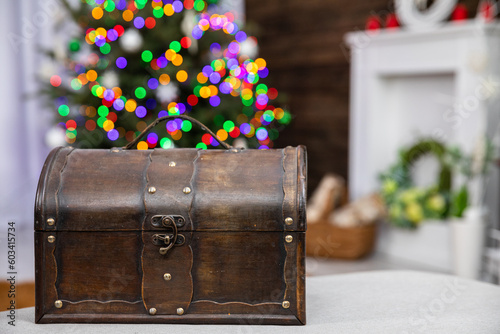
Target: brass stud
186,190
289,220
152,311
151,190
167,277
171,164
180,311
58,303
285,304
51,239
289,238
51,221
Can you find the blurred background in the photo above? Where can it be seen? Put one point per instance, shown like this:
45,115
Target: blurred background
396,101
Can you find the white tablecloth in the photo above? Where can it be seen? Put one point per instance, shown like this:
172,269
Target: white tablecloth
370,302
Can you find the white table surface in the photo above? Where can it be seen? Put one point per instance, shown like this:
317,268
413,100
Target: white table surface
386,302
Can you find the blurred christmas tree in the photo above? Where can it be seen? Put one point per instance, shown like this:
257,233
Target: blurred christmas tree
138,60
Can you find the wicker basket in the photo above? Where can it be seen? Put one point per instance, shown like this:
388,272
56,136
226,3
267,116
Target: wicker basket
327,240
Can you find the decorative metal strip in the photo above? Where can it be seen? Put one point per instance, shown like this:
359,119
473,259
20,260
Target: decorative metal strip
60,173
192,184
144,192
301,188
290,188
289,272
235,303
145,189
55,267
100,302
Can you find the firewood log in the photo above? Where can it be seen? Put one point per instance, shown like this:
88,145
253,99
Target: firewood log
364,211
324,198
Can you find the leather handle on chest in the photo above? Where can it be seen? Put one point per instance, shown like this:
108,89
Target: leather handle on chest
171,117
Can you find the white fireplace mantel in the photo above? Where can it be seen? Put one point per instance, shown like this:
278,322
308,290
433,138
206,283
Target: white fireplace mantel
443,83
405,85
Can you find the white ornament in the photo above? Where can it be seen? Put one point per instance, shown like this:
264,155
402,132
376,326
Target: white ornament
167,93
131,40
55,137
249,47
413,18
236,7
60,16
240,143
47,70
59,49
187,25
83,54
110,79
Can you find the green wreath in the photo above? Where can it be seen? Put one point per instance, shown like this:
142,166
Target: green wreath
409,205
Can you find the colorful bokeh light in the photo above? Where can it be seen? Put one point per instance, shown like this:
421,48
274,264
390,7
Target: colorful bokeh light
229,72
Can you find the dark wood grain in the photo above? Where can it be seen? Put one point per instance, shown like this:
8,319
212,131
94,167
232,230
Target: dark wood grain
300,289
232,273
238,191
228,267
40,276
97,182
107,265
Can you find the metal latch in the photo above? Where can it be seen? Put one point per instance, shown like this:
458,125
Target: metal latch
170,239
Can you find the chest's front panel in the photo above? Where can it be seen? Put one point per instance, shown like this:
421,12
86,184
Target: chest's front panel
234,275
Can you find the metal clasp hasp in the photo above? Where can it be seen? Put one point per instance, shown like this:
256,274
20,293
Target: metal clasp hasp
167,241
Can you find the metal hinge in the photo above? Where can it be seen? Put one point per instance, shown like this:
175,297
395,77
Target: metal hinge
167,220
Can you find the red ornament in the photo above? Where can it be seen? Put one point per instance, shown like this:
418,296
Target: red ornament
55,81
71,125
188,4
487,10
154,64
192,100
391,21
460,13
112,117
235,133
90,125
185,42
107,103
373,23
150,23
119,29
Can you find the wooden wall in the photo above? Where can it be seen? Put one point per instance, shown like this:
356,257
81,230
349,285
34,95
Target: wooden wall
302,42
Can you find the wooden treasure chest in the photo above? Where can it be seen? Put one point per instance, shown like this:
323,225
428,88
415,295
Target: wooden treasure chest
171,236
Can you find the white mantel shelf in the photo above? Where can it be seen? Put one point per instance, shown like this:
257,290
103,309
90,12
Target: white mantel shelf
439,50
407,85
459,29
